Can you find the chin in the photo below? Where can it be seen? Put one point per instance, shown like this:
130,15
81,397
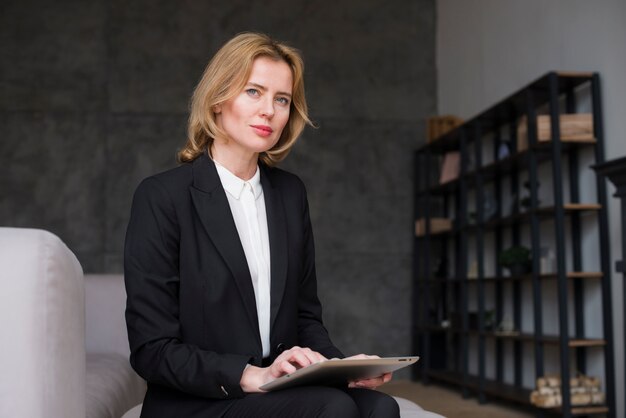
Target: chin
262,147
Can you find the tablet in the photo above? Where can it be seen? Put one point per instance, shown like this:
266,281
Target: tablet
339,371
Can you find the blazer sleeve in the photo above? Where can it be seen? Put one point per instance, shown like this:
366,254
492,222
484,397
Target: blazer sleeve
311,330
151,271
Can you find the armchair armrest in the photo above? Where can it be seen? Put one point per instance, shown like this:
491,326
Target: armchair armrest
42,360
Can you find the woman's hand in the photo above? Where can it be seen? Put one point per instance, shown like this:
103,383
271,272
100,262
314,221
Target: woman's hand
287,362
371,383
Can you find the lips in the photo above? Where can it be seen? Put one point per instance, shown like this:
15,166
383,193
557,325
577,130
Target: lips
262,130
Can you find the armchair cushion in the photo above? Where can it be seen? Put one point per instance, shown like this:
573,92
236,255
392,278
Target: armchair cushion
112,385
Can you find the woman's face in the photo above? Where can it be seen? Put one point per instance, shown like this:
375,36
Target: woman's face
255,118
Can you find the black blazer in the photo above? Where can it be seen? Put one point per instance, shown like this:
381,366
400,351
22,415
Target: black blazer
191,312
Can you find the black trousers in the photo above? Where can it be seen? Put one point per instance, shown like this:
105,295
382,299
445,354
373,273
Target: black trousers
316,401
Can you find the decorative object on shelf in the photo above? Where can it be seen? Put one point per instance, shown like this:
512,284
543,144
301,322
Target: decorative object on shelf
504,150
584,390
506,327
516,259
577,127
442,268
440,125
547,262
437,225
450,167
472,271
489,320
513,205
490,209
525,202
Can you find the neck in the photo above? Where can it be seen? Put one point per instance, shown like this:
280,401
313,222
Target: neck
242,164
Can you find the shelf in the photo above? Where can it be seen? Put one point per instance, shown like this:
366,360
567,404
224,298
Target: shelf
544,213
514,105
521,336
508,392
589,275
491,387
509,164
548,339
589,410
577,275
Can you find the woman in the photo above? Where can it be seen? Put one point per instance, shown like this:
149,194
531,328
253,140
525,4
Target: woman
219,257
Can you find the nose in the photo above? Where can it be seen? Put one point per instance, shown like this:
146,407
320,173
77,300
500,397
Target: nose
267,108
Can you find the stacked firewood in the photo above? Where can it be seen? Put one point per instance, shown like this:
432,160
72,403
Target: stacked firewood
585,390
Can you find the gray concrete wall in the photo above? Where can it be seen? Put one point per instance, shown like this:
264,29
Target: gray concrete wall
93,97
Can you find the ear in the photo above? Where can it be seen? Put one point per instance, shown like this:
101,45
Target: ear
217,109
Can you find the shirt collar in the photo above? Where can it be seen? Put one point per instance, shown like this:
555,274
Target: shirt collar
234,185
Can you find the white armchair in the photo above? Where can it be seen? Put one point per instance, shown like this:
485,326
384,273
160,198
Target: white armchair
56,359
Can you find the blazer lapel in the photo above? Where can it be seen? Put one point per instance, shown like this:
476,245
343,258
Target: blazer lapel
211,203
278,241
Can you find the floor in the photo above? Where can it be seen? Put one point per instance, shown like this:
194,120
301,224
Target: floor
448,401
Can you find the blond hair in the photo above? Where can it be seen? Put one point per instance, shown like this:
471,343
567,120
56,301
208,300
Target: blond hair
225,76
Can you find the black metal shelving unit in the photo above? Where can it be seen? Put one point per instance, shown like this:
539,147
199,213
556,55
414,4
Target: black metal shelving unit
447,334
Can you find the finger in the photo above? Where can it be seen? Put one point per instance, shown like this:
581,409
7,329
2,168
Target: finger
299,358
285,367
368,383
362,357
357,357
364,383
314,356
287,354
387,377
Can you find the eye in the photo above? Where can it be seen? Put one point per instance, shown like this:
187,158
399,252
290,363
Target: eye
282,100
252,92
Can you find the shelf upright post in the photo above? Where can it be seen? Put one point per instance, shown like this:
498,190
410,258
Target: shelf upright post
615,171
498,248
516,292
559,223
426,274
535,233
516,286
577,253
480,220
417,285
461,275
605,249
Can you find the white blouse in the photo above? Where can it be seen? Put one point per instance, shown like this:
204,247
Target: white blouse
247,205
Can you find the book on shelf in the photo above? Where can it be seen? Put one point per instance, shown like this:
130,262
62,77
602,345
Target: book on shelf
437,225
450,167
573,127
440,125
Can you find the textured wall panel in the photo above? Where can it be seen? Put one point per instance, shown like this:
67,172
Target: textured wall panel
52,55
94,97
136,146
52,177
